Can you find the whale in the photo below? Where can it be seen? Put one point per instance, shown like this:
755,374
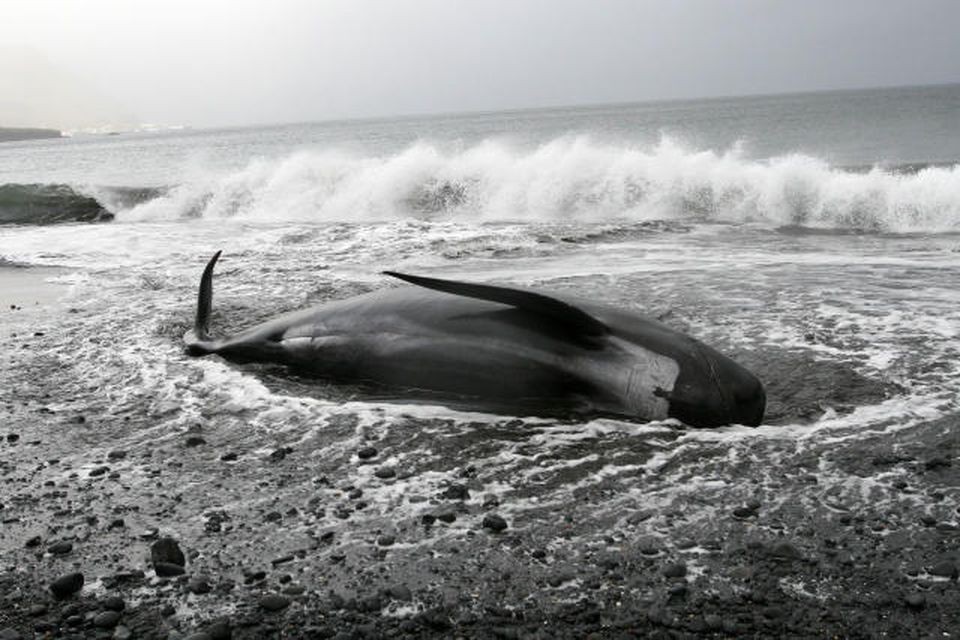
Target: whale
496,348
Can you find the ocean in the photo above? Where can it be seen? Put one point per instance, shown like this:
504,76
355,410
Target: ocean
811,237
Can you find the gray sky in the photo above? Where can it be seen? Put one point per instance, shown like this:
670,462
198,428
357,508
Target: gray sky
222,62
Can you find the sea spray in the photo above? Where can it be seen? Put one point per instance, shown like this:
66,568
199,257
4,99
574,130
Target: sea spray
575,179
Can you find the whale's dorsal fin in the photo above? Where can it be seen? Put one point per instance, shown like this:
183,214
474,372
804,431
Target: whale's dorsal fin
536,303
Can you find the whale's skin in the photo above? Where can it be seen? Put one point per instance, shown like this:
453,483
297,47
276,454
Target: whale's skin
569,357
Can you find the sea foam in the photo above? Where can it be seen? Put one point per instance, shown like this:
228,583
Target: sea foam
574,179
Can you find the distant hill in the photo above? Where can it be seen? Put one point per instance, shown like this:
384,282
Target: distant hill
9,135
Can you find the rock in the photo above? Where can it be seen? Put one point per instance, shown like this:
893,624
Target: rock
114,603
37,610
60,548
166,550
915,601
280,454
199,585
122,633
785,550
456,492
168,569
945,569
428,519
446,516
194,441
106,619
675,570
274,602
494,522
117,454
400,592
66,586
33,542
98,471
13,437
385,473
230,456
220,631
366,453
9,634
744,512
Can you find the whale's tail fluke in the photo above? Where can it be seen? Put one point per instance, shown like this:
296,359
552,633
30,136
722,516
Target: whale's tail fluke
198,339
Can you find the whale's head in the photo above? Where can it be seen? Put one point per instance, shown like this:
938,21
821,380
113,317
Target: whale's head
713,390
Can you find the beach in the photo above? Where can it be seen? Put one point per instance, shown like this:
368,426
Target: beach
202,498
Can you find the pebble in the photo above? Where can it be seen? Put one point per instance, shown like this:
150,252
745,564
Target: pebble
785,550
194,441
386,541
428,519
166,550
675,570
385,473
220,631
400,592
122,633
274,602
915,601
168,569
744,512
37,610
494,522
114,603
106,619
199,585
280,454
230,456
99,471
945,569
446,516
33,542
366,453
456,492
60,548
9,634
116,454
67,585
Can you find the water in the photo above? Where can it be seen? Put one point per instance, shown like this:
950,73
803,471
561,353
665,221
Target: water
811,237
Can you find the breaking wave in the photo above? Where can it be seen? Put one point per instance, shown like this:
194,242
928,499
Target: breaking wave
569,179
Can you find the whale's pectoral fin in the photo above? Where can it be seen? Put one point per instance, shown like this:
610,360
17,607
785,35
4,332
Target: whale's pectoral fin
537,303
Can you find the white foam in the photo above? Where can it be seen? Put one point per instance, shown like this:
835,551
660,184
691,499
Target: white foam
568,178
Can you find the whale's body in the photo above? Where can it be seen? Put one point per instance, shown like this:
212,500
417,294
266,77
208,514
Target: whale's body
502,349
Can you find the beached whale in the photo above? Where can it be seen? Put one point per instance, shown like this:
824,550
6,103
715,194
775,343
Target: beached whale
498,349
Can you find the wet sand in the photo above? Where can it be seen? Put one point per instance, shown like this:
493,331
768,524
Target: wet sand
844,538
29,288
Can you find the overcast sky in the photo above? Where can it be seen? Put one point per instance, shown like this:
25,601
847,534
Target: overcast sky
224,62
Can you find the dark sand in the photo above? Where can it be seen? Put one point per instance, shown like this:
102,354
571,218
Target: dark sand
787,551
